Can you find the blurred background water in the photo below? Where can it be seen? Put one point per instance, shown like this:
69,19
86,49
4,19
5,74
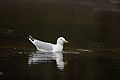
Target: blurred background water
91,26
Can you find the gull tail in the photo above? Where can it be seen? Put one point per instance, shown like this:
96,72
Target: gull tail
31,39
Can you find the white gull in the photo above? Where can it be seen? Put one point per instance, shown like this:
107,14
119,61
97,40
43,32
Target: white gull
45,46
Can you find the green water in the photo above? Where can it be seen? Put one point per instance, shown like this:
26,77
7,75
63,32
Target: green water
91,27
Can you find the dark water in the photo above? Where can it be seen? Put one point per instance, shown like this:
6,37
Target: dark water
91,26
81,64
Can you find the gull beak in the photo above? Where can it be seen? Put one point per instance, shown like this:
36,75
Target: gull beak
65,41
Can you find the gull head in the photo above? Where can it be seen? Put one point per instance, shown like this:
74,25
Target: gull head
61,40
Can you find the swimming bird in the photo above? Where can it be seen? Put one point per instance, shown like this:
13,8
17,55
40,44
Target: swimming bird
45,46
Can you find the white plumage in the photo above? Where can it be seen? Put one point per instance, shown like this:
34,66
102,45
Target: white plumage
45,46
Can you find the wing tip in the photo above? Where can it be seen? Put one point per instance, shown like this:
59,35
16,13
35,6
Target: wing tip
31,38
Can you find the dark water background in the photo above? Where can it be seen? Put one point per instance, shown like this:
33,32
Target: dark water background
91,26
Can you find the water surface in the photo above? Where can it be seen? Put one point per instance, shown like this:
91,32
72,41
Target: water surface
81,64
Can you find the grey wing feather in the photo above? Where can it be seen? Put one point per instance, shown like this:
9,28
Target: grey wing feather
43,45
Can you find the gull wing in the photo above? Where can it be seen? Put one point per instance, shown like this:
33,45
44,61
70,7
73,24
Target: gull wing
40,45
43,45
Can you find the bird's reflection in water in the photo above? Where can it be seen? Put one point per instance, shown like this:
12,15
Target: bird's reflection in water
59,60
40,57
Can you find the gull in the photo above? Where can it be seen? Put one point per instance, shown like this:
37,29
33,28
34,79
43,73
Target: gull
45,46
